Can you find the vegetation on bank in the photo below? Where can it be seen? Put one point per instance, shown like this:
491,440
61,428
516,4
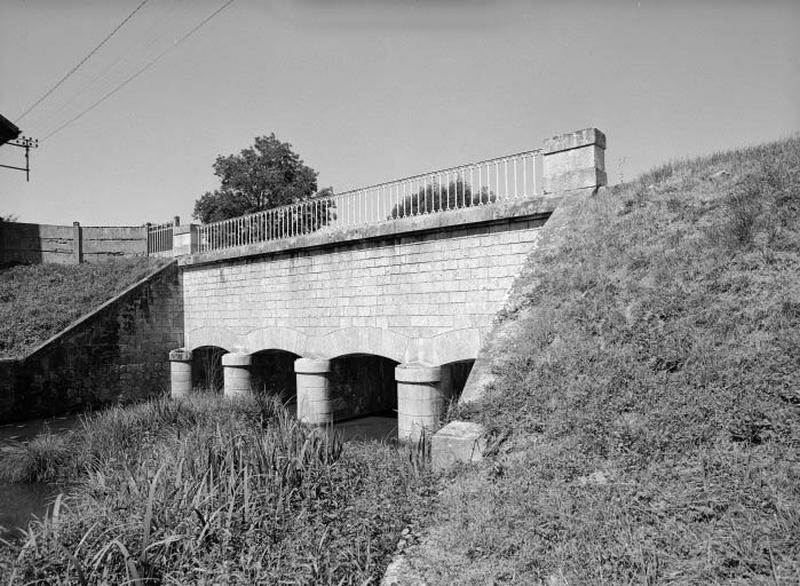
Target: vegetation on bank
38,301
651,388
209,491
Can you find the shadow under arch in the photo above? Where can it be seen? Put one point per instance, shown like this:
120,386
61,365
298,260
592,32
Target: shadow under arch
363,384
454,378
272,373
207,368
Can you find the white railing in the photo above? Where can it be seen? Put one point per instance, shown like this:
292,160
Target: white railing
159,238
475,184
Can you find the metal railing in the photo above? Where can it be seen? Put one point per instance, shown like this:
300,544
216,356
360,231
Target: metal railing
159,238
482,183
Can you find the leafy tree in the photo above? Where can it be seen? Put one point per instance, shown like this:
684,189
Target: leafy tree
437,197
267,175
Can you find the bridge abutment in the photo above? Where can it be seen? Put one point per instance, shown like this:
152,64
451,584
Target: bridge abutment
180,372
314,405
236,374
419,399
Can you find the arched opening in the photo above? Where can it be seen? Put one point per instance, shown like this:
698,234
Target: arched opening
207,368
454,378
273,373
364,394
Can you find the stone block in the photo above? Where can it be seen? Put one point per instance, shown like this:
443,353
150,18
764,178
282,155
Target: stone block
574,161
457,442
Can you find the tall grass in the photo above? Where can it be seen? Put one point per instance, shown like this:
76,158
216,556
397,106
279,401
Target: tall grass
212,491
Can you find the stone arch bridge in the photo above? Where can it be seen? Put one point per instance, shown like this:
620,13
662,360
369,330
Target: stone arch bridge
411,271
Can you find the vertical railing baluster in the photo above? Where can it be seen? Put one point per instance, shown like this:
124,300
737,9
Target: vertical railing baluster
524,177
505,176
516,194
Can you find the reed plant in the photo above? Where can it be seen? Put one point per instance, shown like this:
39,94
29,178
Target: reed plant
211,491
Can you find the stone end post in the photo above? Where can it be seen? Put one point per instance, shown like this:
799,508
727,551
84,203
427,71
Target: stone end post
184,239
574,161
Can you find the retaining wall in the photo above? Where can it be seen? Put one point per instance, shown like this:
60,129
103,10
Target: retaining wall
22,242
118,353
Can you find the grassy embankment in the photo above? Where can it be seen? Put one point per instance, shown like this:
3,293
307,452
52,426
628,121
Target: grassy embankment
209,491
38,301
651,386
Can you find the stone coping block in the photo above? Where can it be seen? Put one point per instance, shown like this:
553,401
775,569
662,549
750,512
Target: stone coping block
180,355
417,372
457,442
536,207
312,365
575,140
236,359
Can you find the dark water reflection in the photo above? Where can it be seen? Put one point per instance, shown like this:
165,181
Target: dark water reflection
20,501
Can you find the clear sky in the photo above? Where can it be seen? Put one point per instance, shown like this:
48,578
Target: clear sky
368,91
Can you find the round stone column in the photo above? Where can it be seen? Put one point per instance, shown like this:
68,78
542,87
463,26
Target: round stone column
236,374
419,399
180,372
313,390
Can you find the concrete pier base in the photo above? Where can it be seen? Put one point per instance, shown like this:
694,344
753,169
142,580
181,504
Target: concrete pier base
180,373
313,390
457,442
236,374
419,399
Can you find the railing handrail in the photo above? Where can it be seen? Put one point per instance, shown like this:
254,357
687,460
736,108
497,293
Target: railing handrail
279,209
477,183
156,227
435,172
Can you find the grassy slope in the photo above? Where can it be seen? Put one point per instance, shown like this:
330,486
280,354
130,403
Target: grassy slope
652,391
38,301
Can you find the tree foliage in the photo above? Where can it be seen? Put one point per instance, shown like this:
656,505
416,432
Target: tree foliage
437,197
267,175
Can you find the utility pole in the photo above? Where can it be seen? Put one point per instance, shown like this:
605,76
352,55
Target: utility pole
27,144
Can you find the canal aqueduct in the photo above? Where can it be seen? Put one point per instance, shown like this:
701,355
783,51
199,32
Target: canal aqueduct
401,278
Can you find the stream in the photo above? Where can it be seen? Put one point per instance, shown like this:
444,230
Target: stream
20,501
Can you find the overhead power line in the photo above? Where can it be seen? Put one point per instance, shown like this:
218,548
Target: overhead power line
103,77
84,60
147,66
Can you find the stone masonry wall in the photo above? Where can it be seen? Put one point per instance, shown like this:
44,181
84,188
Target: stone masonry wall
119,353
393,296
